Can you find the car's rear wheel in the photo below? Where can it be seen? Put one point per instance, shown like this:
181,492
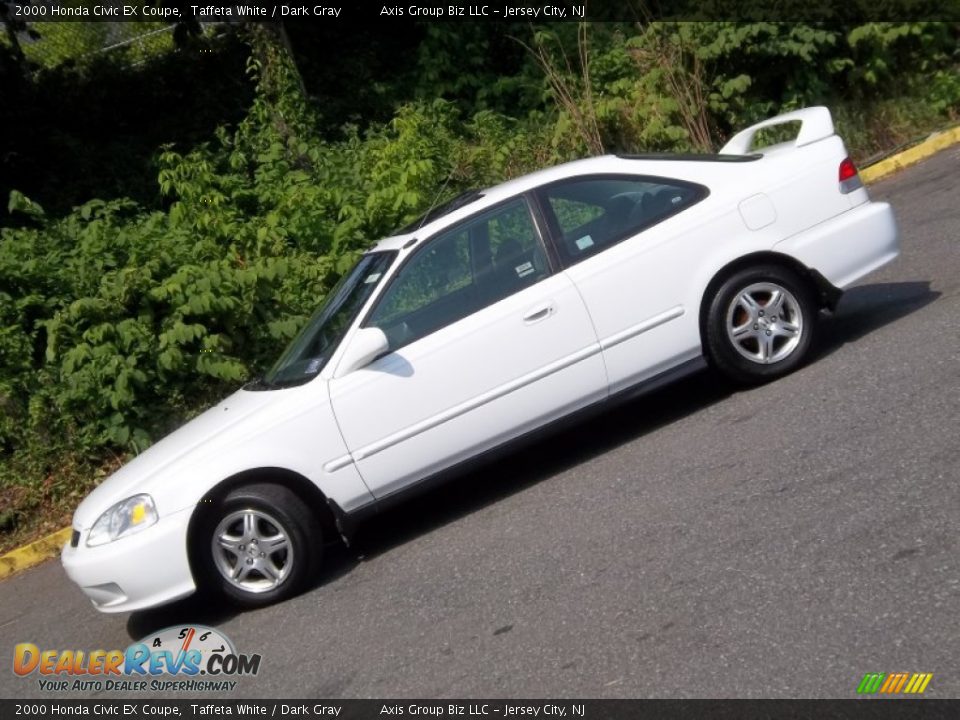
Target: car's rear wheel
760,324
259,545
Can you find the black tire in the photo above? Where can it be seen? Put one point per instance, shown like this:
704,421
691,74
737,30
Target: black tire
765,349
254,520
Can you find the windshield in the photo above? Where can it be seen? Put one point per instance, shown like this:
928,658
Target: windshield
305,357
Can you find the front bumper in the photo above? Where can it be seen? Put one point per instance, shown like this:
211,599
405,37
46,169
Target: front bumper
139,571
849,246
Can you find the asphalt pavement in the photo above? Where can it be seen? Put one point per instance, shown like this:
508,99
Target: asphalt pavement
699,542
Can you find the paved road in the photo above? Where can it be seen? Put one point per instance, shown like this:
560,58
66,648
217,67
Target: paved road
776,542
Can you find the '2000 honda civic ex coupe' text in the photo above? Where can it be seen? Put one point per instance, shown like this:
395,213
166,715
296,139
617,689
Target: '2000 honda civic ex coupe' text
491,317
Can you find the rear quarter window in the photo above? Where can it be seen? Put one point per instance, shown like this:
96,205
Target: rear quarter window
591,214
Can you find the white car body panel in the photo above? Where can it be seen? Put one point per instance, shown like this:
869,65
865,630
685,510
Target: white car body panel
614,319
846,248
651,272
449,395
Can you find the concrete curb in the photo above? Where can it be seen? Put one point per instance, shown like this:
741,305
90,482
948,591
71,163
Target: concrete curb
932,145
36,552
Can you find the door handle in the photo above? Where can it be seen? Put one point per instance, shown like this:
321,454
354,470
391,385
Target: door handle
538,313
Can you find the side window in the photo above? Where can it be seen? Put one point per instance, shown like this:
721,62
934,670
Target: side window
461,271
574,213
597,212
441,270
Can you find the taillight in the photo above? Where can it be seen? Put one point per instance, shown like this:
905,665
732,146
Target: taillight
847,169
849,179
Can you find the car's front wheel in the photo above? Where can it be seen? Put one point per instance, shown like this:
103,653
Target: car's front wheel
760,324
260,544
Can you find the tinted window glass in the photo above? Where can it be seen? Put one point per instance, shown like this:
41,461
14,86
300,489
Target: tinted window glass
305,357
594,213
461,271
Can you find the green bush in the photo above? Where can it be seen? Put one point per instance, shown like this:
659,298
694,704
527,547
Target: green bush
688,86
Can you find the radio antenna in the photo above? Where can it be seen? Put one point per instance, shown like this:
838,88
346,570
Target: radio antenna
426,215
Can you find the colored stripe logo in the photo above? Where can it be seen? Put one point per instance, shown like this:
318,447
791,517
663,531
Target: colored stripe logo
894,683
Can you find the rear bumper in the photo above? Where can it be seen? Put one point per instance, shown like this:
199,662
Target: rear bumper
848,246
139,571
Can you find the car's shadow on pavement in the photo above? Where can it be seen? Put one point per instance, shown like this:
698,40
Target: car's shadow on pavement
532,462
197,609
863,309
866,308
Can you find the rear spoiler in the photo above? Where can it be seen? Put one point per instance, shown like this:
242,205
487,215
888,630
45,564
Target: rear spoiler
816,124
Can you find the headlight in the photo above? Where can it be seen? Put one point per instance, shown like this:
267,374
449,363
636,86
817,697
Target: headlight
125,518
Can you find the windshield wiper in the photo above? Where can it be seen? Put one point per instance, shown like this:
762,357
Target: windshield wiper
260,383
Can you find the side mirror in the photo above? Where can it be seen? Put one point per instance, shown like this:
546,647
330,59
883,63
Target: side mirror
366,346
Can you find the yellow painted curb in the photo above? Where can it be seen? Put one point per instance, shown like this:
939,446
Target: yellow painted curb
34,553
933,144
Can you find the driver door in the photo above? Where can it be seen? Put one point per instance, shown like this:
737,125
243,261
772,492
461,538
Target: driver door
486,343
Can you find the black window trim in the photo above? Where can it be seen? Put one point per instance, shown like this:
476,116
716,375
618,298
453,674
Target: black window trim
692,157
553,265
555,232
544,231
435,213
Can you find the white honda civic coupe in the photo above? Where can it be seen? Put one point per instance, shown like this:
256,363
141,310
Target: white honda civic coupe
490,318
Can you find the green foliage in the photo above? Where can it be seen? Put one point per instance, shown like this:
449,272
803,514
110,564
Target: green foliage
91,126
683,86
60,42
478,66
57,42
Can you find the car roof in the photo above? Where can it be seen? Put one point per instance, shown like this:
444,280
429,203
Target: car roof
689,167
